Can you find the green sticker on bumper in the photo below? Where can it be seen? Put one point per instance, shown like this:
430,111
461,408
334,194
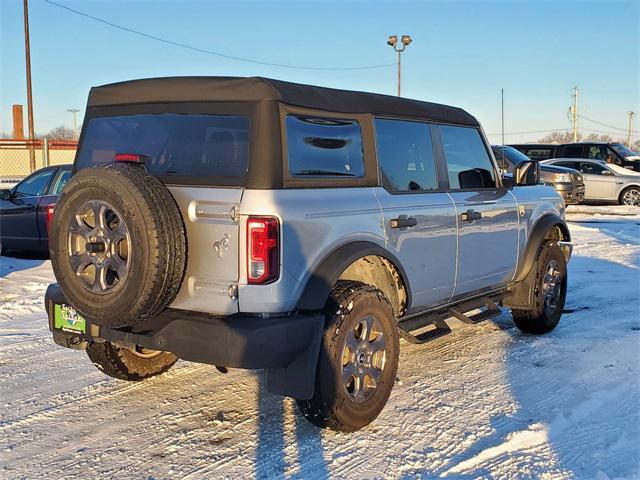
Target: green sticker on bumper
67,319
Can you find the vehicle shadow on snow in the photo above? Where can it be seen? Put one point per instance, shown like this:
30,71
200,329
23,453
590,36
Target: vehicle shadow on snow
575,389
14,261
274,442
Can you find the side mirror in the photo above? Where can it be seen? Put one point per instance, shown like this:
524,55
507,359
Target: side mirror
5,194
607,172
527,173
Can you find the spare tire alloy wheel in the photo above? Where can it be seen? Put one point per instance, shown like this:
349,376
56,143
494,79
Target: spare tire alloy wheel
99,246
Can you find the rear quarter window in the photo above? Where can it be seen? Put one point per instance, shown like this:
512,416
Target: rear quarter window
324,147
175,145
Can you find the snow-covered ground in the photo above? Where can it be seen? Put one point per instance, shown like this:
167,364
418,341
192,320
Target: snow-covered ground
483,402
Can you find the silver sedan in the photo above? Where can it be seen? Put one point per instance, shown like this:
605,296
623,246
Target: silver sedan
604,181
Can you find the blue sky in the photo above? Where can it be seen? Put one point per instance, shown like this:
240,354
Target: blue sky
463,53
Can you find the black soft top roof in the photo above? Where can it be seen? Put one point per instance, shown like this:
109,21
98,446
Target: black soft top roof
259,89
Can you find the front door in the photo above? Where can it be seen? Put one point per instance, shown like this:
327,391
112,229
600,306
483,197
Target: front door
599,181
487,216
419,218
18,214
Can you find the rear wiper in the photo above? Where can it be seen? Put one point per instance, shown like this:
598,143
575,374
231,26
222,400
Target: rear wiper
325,172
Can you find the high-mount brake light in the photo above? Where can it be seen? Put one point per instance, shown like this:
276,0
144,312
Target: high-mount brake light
129,158
263,249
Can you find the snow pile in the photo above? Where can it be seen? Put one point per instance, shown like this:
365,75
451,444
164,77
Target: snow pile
483,402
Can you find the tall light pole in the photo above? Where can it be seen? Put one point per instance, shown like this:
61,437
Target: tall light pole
73,111
631,114
405,40
502,98
27,49
573,110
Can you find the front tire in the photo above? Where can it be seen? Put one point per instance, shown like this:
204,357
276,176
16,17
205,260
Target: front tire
550,291
630,196
358,359
132,364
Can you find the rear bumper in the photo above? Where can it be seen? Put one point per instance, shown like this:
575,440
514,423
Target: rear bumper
286,346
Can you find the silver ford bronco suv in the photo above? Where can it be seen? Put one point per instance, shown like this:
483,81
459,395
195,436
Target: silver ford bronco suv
260,224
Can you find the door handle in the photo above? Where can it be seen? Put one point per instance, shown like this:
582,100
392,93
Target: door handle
470,216
403,222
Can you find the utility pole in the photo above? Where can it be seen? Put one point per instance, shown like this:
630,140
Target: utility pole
27,49
574,114
502,95
73,111
404,41
631,114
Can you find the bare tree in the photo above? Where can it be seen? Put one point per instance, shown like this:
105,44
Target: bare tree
61,133
559,137
597,137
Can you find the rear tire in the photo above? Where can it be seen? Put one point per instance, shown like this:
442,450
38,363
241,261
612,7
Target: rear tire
124,364
356,371
550,291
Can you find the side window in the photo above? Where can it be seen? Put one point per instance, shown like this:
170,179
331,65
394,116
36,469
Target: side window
405,155
573,151
35,185
61,181
574,165
597,152
592,168
467,159
319,146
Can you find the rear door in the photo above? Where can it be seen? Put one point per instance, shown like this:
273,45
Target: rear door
419,218
211,221
487,216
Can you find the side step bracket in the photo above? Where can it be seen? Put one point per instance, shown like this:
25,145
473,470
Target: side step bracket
440,328
491,310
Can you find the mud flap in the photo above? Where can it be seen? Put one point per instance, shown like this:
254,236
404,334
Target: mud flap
297,380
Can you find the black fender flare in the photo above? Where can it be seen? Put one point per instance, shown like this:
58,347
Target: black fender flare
324,277
535,241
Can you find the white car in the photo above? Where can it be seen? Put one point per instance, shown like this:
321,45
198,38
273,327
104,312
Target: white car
604,181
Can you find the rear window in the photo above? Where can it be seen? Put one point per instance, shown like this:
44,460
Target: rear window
538,153
174,144
320,146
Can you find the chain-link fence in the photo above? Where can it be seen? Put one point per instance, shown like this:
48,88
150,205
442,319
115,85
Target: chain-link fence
15,157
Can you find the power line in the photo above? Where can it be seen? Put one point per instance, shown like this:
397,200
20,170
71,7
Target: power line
211,52
605,125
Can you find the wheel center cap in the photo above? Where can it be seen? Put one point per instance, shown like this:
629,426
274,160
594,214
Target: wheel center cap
362,358
96,247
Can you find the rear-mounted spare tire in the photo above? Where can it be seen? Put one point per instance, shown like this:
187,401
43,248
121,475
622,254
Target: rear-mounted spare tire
117,245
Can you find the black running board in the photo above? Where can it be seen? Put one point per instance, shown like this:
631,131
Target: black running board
437,320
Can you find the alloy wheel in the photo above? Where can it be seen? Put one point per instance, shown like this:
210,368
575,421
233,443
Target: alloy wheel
552,287
99,246
631,197
363,359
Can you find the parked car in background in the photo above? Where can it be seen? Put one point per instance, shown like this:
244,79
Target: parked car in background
604,181
27,209
567,181
615,153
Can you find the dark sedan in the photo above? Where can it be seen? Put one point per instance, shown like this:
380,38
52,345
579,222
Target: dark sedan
26,209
